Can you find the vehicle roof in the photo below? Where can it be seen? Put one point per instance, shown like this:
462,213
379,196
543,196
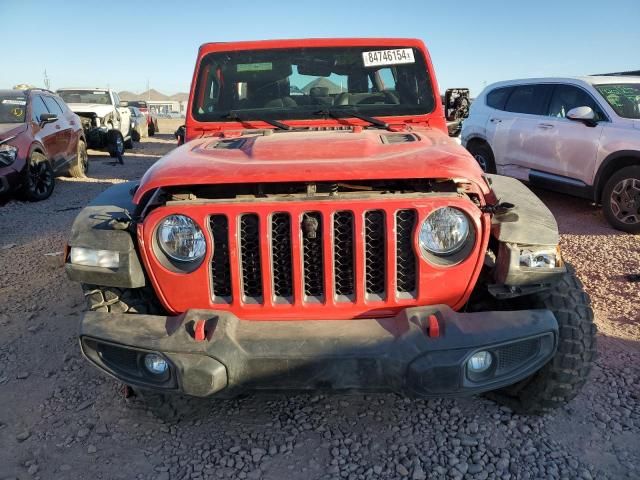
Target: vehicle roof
11,91
309,42
83,88
589,79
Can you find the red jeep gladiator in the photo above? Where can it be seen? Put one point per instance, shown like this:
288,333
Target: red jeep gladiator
319,230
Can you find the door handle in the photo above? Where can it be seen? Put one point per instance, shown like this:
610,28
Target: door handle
545,125
57,127
496,120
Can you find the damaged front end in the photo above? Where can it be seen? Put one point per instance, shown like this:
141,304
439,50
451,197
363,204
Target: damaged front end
95,130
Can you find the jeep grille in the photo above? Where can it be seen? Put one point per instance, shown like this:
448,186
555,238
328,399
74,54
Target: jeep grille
328,249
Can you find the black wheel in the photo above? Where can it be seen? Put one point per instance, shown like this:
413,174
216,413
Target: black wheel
40,179
621,199
560,380
80,166
121,300
152,129
115,143
483,155
135,136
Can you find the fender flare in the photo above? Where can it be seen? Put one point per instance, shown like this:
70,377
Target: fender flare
608,167
94,228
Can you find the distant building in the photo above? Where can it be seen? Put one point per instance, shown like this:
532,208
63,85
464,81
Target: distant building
167,106
158,102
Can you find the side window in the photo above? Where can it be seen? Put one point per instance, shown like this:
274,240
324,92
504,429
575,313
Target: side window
61,104
386,77
52,106
37,108
530,99
116,99
566,97
498,97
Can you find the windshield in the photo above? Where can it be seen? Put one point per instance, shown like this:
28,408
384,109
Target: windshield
12,107
295,83
624,98
100,97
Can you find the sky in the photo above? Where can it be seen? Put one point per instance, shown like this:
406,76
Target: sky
125,44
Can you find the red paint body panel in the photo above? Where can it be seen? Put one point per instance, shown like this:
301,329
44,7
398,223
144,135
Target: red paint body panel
317,156
352,154
179,292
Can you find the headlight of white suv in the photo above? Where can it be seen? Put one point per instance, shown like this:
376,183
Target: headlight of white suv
181,239
444,232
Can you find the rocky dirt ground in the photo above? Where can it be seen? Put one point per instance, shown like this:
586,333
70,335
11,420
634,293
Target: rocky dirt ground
61,419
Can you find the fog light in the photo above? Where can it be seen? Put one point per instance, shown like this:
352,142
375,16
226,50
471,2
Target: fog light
479,362
155,364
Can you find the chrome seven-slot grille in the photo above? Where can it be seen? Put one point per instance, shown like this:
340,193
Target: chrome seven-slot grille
318,235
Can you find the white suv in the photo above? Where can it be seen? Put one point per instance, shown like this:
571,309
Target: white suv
576,135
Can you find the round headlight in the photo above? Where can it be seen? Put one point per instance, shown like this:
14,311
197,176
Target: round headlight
181,239
444,231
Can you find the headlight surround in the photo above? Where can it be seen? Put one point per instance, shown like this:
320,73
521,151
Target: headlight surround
181,239
444,232
8,154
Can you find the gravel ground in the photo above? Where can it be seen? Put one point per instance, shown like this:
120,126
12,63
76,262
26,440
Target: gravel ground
60,418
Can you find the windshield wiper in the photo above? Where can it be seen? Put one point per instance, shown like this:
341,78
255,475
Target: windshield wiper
233,115
352,113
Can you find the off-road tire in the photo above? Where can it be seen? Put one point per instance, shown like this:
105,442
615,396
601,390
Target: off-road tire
40,171
483,155
632,174
80,166
560,380
151,129
129,143
121,300
135,136
115,145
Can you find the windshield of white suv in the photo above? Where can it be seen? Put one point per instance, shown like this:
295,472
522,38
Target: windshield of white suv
624,98
100,97
12,107
300,83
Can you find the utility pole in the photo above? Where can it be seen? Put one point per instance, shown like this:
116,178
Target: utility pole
148,91
47,81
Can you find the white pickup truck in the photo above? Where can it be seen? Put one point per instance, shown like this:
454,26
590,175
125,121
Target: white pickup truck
105,119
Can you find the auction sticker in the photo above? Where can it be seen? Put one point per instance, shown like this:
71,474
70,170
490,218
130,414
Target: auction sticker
388,57
254,67
8,101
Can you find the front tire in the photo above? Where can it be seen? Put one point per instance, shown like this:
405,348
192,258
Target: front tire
40,180
80,167
483,155
152,129
121,300
115,142
560,380
621,199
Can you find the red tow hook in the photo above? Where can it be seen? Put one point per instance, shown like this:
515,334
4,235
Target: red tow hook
199,333
434,326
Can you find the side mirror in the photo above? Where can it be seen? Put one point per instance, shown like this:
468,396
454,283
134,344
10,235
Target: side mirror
47,118
124,103
456,104
583,114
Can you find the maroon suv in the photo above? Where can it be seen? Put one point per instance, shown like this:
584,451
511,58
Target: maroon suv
39,139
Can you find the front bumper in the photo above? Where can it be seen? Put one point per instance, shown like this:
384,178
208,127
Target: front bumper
403,354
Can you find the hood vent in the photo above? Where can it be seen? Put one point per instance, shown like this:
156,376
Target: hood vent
230,144
399,138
